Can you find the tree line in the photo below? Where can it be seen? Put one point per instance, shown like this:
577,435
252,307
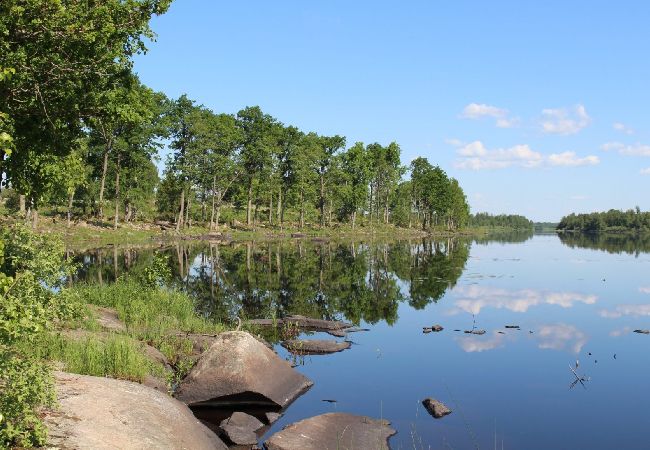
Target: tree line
512,221
633,220
81,134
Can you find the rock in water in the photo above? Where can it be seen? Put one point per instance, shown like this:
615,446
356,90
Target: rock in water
333,431
240,428
103,413
238,366
437,328
314,346
478,332
642,331
435,408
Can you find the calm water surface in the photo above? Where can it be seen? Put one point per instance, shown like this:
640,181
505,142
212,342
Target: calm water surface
575,298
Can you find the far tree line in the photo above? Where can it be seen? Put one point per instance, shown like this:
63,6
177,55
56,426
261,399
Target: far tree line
613,220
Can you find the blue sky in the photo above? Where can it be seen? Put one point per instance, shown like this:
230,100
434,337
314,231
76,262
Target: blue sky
537,108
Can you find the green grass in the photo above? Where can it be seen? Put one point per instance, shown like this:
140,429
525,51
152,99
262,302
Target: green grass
113,356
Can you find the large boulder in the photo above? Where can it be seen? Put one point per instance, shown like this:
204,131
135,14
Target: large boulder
339,431
237,368
103,413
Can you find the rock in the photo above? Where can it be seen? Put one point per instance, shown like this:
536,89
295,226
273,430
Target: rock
314,346
240,368
333,431
435,408
272,417
240,428
104,413
266,322
642,331
426,330
108,319
156,355
516,327
298,235
316,324
344,332
437,328
479,332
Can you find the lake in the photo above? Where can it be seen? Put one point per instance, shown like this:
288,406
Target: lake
575,298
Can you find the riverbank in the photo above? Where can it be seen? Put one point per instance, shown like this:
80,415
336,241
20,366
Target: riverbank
95,234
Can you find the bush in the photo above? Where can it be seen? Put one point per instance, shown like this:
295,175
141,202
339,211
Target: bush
32,270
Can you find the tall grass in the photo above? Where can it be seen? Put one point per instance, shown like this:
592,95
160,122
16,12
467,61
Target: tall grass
112,355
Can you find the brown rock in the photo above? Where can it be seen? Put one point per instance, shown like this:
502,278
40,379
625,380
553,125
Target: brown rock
333,431
240,428
103,413
435,408
272,417
237,368
314,346
437,328
108,319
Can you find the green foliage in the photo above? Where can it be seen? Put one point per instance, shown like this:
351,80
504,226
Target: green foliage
632,220
158,273
513,221
32,270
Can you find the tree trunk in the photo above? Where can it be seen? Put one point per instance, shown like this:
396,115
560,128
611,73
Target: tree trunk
21,203
322,199
117,193
271,208
216,220
249,207
302,209
279,208
102,183
181,212
70,200
187,209
214,195
354,218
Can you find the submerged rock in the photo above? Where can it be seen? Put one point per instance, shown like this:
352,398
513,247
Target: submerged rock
426,330
237,368
479,332
436,408
316,324
333,431
240,428
314,346
104,413
344,331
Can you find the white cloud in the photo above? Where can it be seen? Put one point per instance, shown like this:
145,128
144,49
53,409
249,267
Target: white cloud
471,344
627,149
560,336
565,121
454,142
481,110
626,310
645,171
472,299
475,156
579,197
644,290
569,159
618,126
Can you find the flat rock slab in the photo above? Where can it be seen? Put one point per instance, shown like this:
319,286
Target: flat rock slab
316,324
314,346
344,331
240,428
479,332
333,431
108,319
436,408
237,364
104,413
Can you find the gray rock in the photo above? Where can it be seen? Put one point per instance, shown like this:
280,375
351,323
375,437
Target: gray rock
104,413
479,332
437,328
426,330
239,367
316,324
314,346
272,417
642,331
435,408
240,428
108,319
333,431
